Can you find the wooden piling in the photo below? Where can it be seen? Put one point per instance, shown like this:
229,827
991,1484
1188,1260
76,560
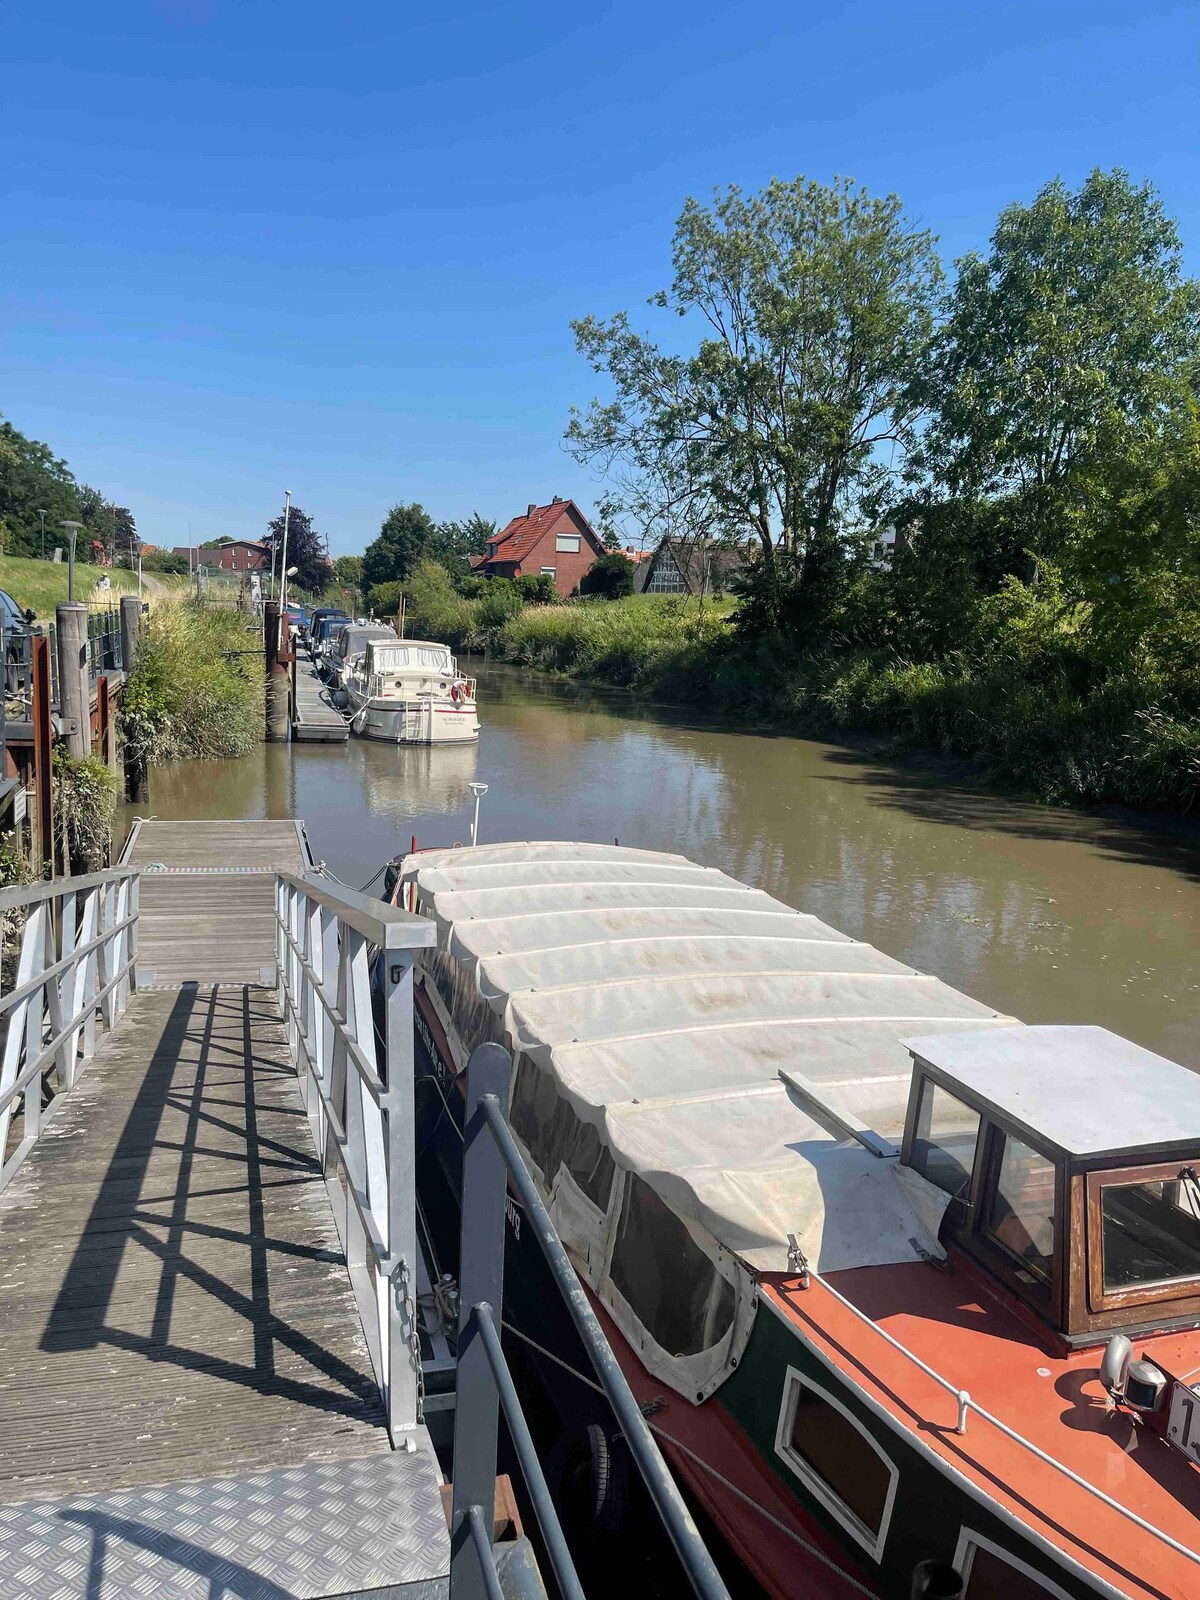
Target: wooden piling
277,676
74,690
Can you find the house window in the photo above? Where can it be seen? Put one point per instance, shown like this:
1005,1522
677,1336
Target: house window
491,550
943,1147
990,1573
1020,1207
549,572
672,1287
567,543
835,1457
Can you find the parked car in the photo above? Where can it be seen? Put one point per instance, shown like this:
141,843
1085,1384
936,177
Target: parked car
18,628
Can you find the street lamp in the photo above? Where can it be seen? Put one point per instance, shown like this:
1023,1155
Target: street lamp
478,790
43,514
72,534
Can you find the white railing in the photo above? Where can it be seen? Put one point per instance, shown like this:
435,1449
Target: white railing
965,1405
359,1105
76,960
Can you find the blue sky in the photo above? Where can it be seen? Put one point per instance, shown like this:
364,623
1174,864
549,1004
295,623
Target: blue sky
252,245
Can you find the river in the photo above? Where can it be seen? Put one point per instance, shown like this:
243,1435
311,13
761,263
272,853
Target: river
1050,915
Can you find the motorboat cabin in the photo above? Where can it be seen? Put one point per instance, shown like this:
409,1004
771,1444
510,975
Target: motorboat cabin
898,1278
350,643
410,691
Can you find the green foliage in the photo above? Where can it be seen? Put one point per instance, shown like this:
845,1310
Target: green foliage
165,561
348,571
85,796
190,697
42,585
610,577
32,478
815,307
434,609
305,549
501,600
403,540
384,599
534,588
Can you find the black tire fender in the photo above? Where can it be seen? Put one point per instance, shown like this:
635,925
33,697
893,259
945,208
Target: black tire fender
590,1473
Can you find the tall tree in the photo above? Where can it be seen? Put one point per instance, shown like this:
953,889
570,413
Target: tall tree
1077,332
305,549
406,536
815,305
455,542
33,479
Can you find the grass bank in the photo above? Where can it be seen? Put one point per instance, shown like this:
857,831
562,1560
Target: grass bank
42,585
193,696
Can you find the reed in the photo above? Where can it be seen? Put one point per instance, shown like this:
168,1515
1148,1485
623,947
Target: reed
193,696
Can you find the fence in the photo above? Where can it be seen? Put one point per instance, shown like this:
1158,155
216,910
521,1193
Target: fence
360,1109
485,1385
104,639
76,961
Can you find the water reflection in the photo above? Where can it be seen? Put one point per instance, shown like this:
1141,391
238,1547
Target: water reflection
1049,915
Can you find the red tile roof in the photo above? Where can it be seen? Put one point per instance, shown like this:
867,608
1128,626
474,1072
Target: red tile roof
523,533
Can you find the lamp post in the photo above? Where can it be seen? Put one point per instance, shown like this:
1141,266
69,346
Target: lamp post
287,514
43,514
72,534
478,790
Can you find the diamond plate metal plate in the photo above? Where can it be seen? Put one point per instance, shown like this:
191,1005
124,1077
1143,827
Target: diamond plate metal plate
302,1533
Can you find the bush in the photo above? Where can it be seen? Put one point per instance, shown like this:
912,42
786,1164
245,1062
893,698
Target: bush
610,577
85,795
499,604
190,696
383,599
434,608
536,588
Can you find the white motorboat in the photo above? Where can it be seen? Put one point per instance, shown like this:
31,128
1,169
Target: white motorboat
410,691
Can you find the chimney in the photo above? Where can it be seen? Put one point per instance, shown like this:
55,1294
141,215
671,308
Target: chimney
531,509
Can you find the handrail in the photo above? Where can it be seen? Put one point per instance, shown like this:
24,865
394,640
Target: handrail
966,1405
359,1106
27,894
77,961
490,1159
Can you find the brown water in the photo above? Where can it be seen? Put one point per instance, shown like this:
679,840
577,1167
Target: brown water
1049,915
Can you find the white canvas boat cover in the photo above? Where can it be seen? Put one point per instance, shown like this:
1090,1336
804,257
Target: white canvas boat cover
664,998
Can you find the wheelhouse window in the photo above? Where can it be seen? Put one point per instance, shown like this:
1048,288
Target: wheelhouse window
556,1136
1149,1228
1019,1214
990,1573
673,1288
947,1131
834,1455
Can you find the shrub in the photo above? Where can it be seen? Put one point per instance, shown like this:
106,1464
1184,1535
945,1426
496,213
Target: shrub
434,608
85,794
610,577
499,603
536,588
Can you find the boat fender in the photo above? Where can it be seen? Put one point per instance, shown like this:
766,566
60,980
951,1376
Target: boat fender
591,1472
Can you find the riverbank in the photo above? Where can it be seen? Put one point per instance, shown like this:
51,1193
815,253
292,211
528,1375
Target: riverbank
1035,722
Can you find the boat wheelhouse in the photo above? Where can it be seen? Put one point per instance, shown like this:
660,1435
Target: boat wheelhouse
410,691
874,1255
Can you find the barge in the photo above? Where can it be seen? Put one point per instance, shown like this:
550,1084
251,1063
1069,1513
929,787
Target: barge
897,1278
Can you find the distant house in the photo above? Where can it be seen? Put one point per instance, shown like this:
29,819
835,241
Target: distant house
235,555
556,539
685,566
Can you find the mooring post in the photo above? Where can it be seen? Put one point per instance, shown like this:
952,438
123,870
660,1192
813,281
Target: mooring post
74,690
481,1280
277,676
137,783
43,751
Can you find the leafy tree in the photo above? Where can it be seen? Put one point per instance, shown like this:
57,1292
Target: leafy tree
32,478
455,542
348,571
816,305
305,549
407,534
610,576
499,603
1076,332
384,599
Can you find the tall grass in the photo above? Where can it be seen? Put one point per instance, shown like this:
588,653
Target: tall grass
192,696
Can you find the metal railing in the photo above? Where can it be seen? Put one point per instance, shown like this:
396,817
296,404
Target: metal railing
966,1406
485,1385
76,961
360,1108
104,639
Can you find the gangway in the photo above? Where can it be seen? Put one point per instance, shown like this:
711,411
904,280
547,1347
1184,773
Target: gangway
211,1373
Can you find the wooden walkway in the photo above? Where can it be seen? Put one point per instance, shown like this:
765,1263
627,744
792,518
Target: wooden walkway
187,1403
207,896
312,716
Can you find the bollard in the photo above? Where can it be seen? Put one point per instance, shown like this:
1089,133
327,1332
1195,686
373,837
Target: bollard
74,686
131,631
277,677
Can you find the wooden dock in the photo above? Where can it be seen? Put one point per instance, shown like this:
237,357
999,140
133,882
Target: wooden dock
187,1400
313,717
